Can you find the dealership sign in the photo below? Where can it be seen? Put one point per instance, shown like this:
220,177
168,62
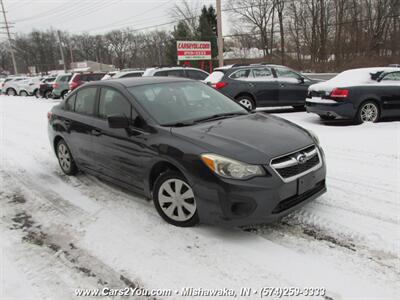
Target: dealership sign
190,50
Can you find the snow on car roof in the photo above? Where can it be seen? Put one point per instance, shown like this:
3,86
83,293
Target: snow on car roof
350,78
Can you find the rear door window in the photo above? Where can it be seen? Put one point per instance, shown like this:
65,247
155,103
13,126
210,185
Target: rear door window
392,76
262,74
85,101
113,103
240,74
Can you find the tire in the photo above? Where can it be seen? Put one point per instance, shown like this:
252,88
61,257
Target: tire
65,158
246,101
36,93
48,94
164,197
368,112
11,92
63,94
327,118
23,94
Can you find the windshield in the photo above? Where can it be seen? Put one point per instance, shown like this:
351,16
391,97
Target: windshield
183,102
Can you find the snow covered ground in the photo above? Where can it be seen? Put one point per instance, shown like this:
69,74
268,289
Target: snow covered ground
61,233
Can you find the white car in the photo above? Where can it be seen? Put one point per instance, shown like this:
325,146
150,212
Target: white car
130,73
28,86
11,84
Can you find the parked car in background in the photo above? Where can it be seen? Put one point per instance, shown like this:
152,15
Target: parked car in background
10,85
2,80
199,155
261,85
27,87
61,85
362,95
394,66
128,73
183,72
78,79
109,75
46,87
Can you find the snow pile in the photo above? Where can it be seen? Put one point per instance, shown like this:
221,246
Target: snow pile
243,53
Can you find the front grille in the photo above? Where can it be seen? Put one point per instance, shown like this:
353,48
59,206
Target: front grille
297,164
296,199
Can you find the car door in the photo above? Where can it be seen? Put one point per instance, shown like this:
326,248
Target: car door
390,93
119,153
264,86
292,87
79,120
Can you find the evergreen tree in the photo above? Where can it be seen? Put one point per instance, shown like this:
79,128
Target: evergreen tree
207,30
181,33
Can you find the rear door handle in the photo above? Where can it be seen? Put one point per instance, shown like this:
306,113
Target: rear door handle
67,122
96,132
251,84
282,85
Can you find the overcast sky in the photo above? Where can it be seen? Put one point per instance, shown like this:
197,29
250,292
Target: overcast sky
93,16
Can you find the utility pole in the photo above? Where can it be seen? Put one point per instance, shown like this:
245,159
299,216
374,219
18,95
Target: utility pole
220,41
61,51
7,27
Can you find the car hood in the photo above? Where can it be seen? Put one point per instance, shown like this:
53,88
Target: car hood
254,138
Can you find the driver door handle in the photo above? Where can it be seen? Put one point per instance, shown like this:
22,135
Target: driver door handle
282,85
96,132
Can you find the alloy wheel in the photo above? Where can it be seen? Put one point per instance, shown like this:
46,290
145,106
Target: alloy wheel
369,112
177,200
246,103
64,157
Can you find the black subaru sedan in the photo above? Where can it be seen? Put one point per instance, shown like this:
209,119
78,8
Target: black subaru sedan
200,156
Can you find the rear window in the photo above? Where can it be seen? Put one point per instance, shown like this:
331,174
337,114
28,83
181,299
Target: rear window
197,75
65,78
136,74
94,77
215,77
170,73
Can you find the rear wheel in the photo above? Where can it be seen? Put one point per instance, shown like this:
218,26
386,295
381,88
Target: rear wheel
368,112
11,92
174,200
247,102
48,94
65,159
23,93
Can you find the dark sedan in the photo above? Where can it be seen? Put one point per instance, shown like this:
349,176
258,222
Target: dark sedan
199,155
261,85
366,101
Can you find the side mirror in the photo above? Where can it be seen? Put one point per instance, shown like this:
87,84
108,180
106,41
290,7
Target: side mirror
116,122
301,80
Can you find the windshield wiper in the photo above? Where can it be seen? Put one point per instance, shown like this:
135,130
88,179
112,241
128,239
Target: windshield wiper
179,124
219,116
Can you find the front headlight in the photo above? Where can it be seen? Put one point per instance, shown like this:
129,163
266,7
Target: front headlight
314,137
229,168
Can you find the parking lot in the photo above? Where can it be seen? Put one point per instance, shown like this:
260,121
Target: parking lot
59,233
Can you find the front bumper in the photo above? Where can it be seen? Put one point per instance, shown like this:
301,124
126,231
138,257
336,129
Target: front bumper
332,108
258,200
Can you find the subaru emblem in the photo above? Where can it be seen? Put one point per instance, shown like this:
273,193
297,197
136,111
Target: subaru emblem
301,158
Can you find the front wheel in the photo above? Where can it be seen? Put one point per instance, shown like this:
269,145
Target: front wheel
368,112
247,102
65,159
174,200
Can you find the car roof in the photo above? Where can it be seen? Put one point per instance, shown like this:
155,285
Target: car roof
247,66
137,81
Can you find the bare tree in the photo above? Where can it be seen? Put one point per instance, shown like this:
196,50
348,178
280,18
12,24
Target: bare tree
188,12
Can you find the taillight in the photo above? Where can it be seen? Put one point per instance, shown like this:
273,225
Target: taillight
339,93
220,85
49,115
73,85
56,85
